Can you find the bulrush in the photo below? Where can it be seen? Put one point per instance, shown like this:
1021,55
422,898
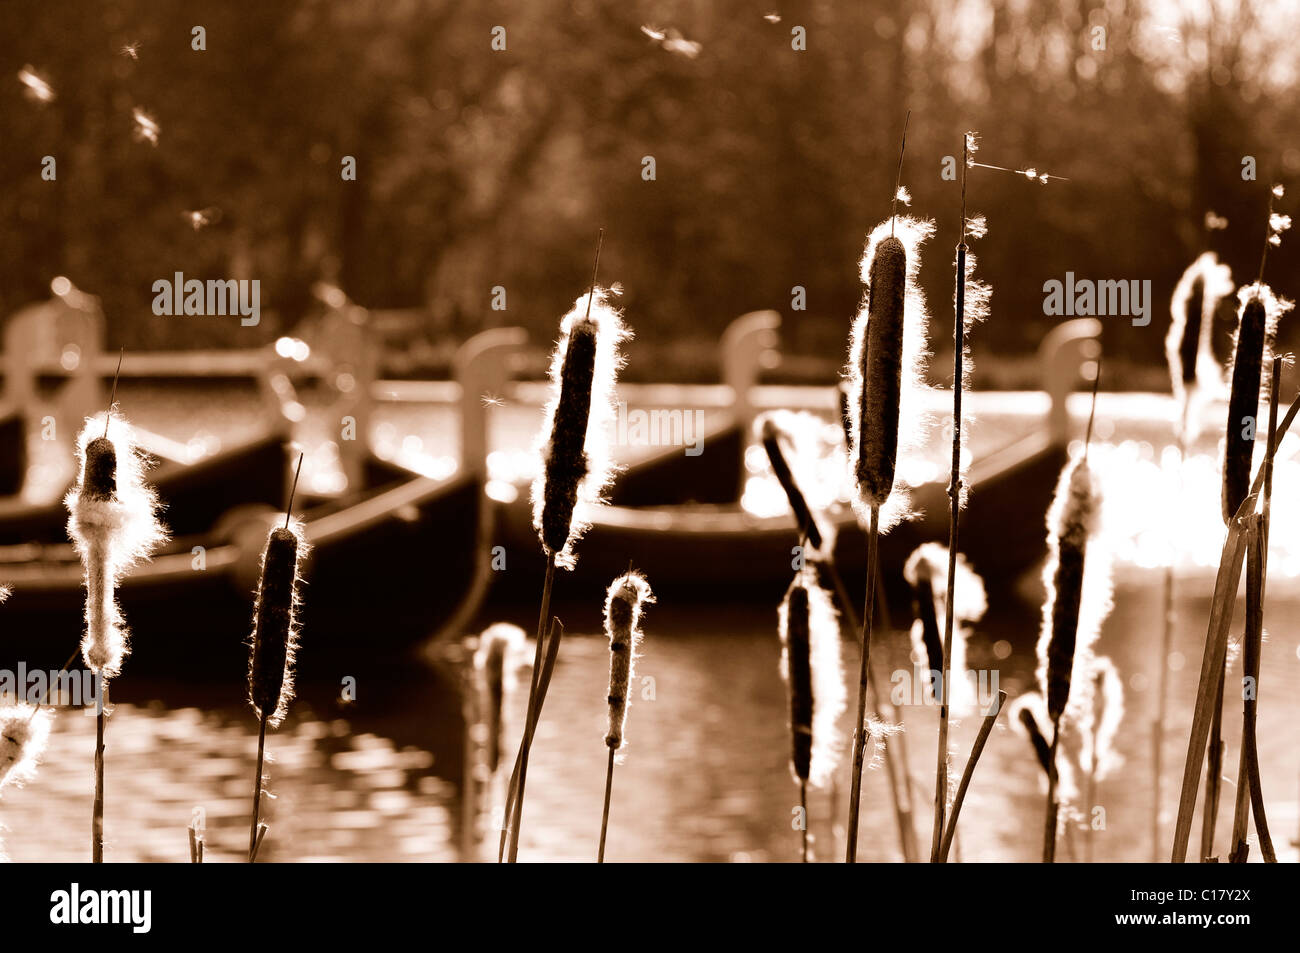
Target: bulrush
113,523
576,467
1028,716
625,599
805,435
1257,321
273,646
810,666
1194,373
771,435
1076,604
1197,379
886,416
927,565
886,369
274,640
575,471
24,730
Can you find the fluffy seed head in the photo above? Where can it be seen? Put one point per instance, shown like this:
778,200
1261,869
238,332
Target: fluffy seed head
274,640
1195,374
576,467
22,741
113,523
1028,718
1077,601
885,371
926,571
1100,712
623,604
1257,323
810,665
771,436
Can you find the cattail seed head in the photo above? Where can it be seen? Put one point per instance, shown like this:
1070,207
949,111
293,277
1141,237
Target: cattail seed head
798,675
113,523
100,479
274,640
1028,717
926,571
624,600
810,665
1252,349
495,661
1077,601
881,367
771,434
887,353
1195,374
575,466
1101,710
22,741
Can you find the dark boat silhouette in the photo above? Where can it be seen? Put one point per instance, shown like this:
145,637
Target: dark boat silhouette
718,549
391,565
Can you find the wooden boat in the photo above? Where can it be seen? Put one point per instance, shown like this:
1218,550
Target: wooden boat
195,494
390,566
721,549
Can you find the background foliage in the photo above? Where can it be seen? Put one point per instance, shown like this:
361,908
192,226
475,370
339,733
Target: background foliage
479,168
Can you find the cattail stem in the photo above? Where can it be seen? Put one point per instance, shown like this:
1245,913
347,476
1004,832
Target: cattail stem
97,820
954,513
548,666
803,807
1216,644
859,726
986,728
1213,767
1053,808
1169,620
898,750
1251,645
257,787
604,817
533,711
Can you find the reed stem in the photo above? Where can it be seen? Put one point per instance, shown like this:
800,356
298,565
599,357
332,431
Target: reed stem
954,512
1053,808
902,800
1169,618
859,733
803,806
986,728
257,788
1216,639
604,817
534,710
97,821
1213,767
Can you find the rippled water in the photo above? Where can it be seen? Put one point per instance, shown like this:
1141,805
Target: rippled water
705,775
